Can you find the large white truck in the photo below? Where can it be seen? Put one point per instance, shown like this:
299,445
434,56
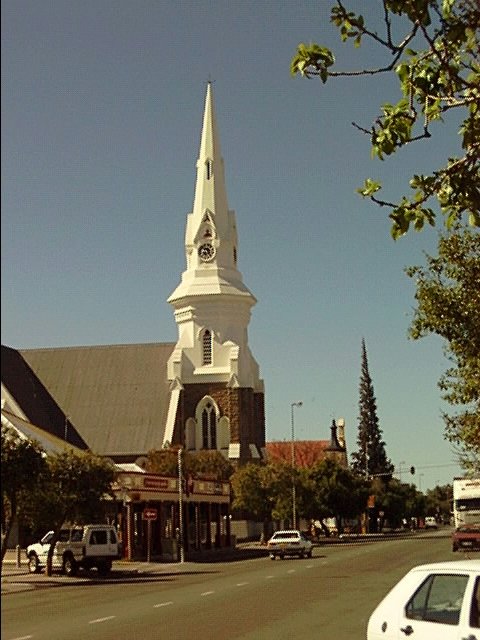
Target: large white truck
466,501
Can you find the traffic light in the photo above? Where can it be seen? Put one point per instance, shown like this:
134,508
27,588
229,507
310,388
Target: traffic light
412,470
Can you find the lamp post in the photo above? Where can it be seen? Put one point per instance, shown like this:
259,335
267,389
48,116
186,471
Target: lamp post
420,476
294,497
180,505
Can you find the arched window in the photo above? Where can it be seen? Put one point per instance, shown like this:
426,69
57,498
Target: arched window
209,427
207,347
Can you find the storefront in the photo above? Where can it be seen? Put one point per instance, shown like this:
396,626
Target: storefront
156,517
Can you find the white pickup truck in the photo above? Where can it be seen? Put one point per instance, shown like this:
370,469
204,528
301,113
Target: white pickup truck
87,546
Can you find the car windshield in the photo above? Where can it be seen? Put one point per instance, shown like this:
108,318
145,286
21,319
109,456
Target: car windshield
47,537
286,534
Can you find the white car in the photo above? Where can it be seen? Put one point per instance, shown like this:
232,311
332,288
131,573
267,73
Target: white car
431,602
430,523
290,542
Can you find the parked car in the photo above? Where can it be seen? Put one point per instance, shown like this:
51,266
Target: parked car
433,602
290,542
87,546
466,537
430,523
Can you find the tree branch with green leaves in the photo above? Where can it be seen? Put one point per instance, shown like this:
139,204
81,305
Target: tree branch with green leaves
448,305
443,74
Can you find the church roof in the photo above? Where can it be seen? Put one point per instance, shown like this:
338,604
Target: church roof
115,396
34,399
307,452
22,429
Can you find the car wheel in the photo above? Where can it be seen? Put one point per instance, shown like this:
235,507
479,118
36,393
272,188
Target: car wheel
33,563
310,553
272,556
69,566
282,556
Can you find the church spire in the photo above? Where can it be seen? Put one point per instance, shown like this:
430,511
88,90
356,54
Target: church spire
211,241
210,189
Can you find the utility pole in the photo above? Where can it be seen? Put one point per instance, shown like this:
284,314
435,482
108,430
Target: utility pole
294,496
180,506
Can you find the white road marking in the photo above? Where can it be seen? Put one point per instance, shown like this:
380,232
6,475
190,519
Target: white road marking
101,619
241,584
291,571
268,577
207,593
23,638
162,604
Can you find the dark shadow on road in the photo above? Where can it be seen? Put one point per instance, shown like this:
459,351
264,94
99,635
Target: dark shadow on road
233,555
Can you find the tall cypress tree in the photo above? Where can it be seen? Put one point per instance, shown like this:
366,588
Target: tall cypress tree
371,458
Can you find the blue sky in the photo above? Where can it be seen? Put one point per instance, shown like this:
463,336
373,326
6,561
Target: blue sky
102,103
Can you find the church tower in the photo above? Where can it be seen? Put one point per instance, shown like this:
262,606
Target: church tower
216,394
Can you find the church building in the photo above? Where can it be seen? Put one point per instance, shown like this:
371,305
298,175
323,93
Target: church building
204,392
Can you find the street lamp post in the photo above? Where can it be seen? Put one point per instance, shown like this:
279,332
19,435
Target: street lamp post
180,506
420,476
294,497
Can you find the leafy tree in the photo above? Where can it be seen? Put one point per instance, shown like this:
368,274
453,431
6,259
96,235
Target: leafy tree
163,462
202,464
264,490
390,499
441,74
371,458
72,489
448,305
22,462
438,501
331,490
396,500
210,464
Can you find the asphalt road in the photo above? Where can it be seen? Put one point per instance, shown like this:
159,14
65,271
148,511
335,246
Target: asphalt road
327,597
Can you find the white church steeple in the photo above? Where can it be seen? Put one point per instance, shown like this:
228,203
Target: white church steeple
212,305
216,395
211,242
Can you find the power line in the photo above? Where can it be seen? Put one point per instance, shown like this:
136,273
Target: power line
437,466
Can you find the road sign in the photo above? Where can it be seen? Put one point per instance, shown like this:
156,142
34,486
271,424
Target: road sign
149,513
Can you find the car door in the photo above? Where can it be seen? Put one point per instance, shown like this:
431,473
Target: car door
43,547
438,609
